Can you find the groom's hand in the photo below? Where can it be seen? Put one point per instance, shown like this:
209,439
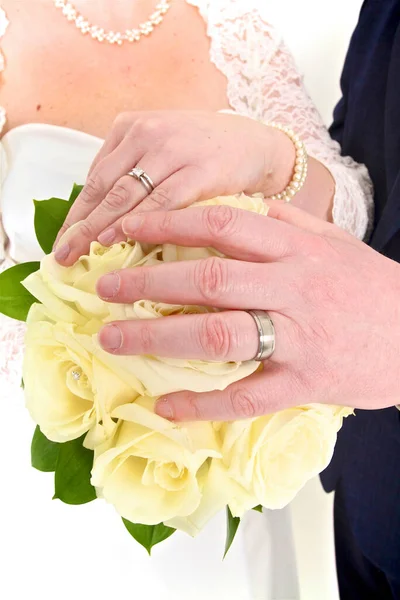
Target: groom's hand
333,300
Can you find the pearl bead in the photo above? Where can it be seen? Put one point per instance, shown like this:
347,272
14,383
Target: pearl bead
300,168
99,34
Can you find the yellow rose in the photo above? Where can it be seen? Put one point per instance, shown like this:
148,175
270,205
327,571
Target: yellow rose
273,456
218,491
62,344
69,388
69,391
255,203
70,292
152,470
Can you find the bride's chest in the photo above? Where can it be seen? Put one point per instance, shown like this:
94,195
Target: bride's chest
55,75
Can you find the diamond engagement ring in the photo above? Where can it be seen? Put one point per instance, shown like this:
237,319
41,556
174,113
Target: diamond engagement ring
140,175
266,334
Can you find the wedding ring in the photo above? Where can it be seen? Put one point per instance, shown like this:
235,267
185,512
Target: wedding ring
266,334
140,175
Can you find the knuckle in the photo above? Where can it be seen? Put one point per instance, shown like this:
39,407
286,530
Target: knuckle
221,220
211,277
86,230
123,119
146,127
245,403
92,189
146,339
165,222
215,337
141,282
63,228
159,199
117,198
194,406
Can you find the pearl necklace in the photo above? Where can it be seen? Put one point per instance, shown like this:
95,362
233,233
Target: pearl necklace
113,37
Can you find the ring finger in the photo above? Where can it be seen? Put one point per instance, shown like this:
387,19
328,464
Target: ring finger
222,336
126,193
100,181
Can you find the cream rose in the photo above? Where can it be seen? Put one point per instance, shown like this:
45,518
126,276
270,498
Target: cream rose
69,388
72,385
218,491
273,456
153,471
69,391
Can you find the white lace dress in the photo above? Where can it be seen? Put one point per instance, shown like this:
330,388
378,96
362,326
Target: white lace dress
264,84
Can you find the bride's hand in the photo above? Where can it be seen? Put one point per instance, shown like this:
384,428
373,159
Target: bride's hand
189,156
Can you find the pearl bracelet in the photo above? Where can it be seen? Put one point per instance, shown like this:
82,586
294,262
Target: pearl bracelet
300,169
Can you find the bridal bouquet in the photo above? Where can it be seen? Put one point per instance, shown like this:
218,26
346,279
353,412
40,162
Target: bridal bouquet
96,427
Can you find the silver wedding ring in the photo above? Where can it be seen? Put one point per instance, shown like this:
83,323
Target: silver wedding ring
140,175
266,334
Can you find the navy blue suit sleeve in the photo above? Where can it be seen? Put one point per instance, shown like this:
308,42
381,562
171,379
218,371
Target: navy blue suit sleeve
339,116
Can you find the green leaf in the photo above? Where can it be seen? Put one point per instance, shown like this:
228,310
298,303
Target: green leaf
72,476
76,190
49,217
258,508
232,527
148,535
15,300
44,453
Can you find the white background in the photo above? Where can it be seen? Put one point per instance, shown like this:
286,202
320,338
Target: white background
318,33
99,564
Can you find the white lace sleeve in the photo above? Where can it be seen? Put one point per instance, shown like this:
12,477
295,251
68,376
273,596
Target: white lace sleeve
264,83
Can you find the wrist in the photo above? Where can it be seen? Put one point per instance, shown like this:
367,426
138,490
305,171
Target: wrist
283,165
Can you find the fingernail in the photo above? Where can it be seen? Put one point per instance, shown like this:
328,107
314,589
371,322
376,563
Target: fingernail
163,408
62,252
132,223
111,337
108,285
107,237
